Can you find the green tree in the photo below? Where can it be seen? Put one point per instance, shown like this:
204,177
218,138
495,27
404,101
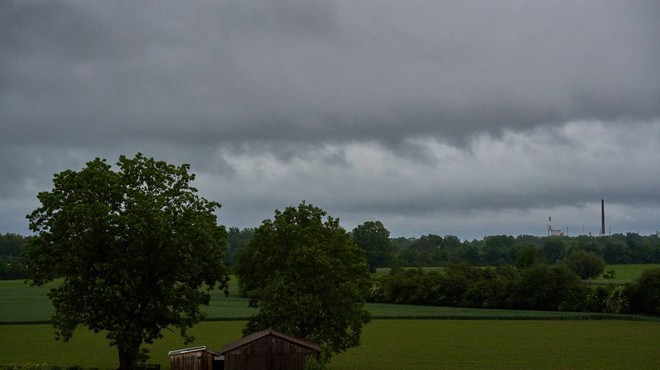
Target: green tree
585,264
237,239
374,239
544,287
131,250
526,256
11,245
307,278
498,249
554,249
646,292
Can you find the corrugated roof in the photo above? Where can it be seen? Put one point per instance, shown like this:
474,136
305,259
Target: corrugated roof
264,333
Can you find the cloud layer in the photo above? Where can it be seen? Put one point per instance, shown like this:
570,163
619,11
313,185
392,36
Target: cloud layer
452,118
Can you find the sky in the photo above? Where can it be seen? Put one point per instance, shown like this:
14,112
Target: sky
465,118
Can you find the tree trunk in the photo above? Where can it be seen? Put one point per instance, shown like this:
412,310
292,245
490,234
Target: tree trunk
128,356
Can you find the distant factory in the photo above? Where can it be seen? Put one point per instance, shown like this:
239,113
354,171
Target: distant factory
559,232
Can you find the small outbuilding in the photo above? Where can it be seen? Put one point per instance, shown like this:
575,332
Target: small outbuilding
196,358
268,350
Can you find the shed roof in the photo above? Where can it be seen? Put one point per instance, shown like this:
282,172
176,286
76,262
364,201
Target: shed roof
264,333
190,350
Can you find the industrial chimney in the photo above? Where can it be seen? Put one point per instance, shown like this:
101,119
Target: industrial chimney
602,217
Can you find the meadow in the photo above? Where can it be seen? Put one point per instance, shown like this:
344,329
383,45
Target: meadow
625,273
21,303
498,339
394,344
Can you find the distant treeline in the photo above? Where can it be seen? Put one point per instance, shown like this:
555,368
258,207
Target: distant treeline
433,250
12,263
500,250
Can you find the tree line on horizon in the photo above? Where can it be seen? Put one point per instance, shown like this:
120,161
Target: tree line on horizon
425,251
497,250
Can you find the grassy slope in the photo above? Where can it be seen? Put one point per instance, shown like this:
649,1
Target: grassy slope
394,344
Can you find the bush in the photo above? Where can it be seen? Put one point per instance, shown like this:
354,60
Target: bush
645,292
585,264
619,300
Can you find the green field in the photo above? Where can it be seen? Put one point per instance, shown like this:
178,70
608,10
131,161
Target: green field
626,273
394,344
493,341
22,303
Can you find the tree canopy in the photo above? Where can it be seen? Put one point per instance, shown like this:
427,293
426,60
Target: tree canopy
585,264
131,248
307,278
374,239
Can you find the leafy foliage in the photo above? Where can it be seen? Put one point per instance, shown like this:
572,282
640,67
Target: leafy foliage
374,239
236,241
524,250
132,248
585,264
307,278
645,292
12,262
539,287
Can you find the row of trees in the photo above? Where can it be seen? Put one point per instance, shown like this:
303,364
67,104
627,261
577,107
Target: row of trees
536,287
428,250
498,250
12,261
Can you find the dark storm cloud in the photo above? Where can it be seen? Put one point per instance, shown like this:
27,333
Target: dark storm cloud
298,70
373,108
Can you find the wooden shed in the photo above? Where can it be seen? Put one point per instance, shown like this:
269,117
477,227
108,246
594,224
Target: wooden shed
268,350
196,358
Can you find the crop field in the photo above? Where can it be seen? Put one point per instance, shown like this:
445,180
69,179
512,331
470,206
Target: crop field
393,344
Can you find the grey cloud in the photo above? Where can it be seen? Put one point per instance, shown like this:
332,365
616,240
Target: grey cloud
389,108
298,71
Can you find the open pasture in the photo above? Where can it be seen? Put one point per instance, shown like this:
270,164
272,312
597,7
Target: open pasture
22,303
394,344
626,273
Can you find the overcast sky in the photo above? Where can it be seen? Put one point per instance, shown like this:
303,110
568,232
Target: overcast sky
435,117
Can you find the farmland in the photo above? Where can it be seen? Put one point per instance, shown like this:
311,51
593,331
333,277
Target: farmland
498,339
394,344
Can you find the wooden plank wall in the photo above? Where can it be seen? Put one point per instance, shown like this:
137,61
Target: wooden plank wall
268,353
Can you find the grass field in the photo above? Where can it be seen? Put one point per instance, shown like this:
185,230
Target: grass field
626,273
22,303
536,343
394,344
